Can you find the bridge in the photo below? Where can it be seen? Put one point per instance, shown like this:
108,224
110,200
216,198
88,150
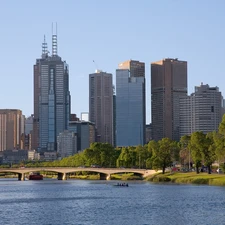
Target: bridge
63,172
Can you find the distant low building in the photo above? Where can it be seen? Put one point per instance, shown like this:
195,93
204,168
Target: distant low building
66,143
84,116
50,156
33,155
14,156
85,132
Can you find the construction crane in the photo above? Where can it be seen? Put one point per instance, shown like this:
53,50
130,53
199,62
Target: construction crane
96,67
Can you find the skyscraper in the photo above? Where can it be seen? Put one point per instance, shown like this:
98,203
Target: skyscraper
101,105
136,68
130,104
11,129
51,98
168,85
201,111
28,134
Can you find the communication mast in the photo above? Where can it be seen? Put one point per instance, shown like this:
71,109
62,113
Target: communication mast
54,40
44,48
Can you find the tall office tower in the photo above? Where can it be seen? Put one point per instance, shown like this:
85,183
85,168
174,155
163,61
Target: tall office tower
28,133
185,115
168,85
101,105
223,107
114,116
29,124
206,109
130,104
51,98
11,128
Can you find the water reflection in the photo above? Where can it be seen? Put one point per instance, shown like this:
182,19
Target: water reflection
99,202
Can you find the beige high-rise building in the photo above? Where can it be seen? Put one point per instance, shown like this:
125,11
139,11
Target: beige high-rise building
168,85
11,129
101,105
201,111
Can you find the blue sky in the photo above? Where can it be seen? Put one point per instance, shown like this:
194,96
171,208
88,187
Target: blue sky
109,32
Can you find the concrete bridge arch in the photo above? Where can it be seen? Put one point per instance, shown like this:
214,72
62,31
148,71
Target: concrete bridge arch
105,173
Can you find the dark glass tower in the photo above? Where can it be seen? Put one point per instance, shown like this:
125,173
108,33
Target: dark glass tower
51,98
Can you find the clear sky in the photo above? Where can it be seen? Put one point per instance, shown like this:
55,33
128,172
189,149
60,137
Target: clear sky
109,32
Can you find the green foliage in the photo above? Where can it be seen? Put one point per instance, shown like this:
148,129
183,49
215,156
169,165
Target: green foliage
219,143
196,144
163,153
160,178
222,126
208,151
204,149
189,178
184,153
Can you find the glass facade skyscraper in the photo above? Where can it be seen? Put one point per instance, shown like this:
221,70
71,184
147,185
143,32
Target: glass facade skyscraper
130,104
51,99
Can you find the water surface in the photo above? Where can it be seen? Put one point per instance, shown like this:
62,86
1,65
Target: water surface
53,202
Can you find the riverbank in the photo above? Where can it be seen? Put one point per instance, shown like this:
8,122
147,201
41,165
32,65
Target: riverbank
189,178
124,177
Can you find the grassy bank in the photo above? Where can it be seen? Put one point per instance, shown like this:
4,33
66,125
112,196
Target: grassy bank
189,178
126,176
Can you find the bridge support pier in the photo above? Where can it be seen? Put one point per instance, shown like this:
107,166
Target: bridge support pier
62,176
21,176
108,177
104,176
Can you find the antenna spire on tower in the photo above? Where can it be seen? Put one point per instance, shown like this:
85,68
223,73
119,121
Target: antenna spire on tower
44,48
54,40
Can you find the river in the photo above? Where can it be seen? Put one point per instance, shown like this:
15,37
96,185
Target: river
82,202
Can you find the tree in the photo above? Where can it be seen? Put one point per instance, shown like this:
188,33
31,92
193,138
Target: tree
124,159
219,140
222,126
142,155
219,143
162,153
185,155
196,144
208,151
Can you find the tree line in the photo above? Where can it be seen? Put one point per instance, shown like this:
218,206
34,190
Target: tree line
193,150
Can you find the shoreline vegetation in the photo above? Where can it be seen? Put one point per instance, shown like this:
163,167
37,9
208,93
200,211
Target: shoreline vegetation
188,178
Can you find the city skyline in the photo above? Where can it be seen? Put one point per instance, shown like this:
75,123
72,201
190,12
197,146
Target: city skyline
85,35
